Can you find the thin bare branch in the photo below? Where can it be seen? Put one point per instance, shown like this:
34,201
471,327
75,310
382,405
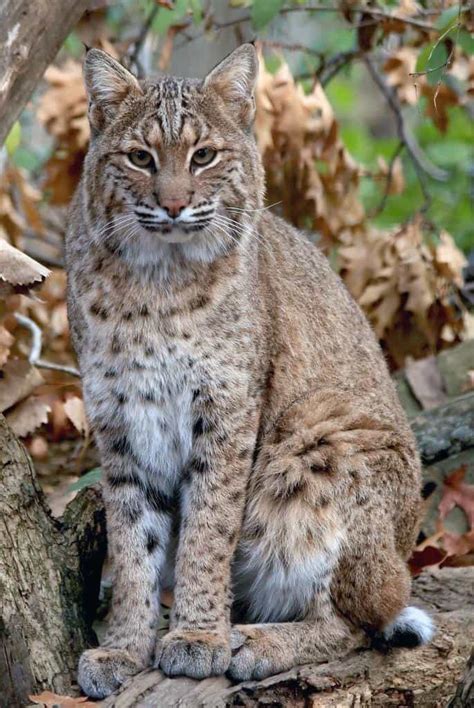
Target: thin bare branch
140,41
423,166
388,182
36,346
333,66
295,47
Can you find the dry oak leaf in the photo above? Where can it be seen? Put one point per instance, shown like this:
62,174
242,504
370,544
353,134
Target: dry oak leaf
19,379
429,556
75,411
398,68
449,260
456,492
18,272
27,416
6,341
440,97
53,699
63,108
397,180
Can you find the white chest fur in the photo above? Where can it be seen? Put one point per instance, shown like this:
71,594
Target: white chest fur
147,398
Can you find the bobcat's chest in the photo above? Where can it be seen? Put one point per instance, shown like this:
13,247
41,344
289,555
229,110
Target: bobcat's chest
141,386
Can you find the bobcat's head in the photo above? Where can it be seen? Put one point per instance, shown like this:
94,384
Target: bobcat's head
172,163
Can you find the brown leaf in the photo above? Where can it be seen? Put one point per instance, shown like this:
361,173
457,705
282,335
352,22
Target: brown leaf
426,557
75,411
19,379
28,415
439,98
456,492
38,447
457,544
397,180
53,699
449,259
398,68
6,341
425,381
167,48
18,272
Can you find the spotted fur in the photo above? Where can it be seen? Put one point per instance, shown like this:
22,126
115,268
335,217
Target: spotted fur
255,454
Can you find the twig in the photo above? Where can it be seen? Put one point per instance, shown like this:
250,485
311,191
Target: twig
382,14
290,47
329,69
36,345
388,182
139,42
378,14
423,166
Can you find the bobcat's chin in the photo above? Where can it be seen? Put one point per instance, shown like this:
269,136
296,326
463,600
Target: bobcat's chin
175,235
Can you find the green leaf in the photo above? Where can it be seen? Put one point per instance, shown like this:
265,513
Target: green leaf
433,60
423,57
263,11
196,8
272,63
167,18
466,41
87,480
73,45
447,18
13,138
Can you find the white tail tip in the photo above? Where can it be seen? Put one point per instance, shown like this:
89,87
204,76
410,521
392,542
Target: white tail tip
411,628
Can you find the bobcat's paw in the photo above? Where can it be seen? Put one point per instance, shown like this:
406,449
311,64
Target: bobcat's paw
102,671
254,655
197,654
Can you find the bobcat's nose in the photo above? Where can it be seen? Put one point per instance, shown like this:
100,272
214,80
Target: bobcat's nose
174,206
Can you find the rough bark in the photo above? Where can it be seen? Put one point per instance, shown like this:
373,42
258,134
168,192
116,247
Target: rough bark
464,695
446,430
47,594
31,34
425,677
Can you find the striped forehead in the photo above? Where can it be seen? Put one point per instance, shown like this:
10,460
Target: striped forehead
172,107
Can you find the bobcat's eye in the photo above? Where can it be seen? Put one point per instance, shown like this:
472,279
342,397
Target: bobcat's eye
141,158
203,156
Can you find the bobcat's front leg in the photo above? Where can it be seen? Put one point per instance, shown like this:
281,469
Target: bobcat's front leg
213,500
137,534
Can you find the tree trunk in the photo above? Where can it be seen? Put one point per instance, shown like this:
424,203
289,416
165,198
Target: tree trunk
31,34
45,568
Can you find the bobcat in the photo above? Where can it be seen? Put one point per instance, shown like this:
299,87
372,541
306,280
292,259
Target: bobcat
256,458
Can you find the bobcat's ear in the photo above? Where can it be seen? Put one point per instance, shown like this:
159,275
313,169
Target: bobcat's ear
234,80
107,84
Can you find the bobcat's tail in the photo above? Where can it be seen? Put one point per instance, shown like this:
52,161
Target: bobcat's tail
411,628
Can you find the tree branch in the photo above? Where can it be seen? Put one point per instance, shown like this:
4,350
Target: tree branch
423,166
139,42
36,345
388,182
30,36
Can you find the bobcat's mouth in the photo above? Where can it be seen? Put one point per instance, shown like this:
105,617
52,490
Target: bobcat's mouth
177,232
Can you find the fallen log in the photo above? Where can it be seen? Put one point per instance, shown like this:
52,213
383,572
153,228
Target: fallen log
425,677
